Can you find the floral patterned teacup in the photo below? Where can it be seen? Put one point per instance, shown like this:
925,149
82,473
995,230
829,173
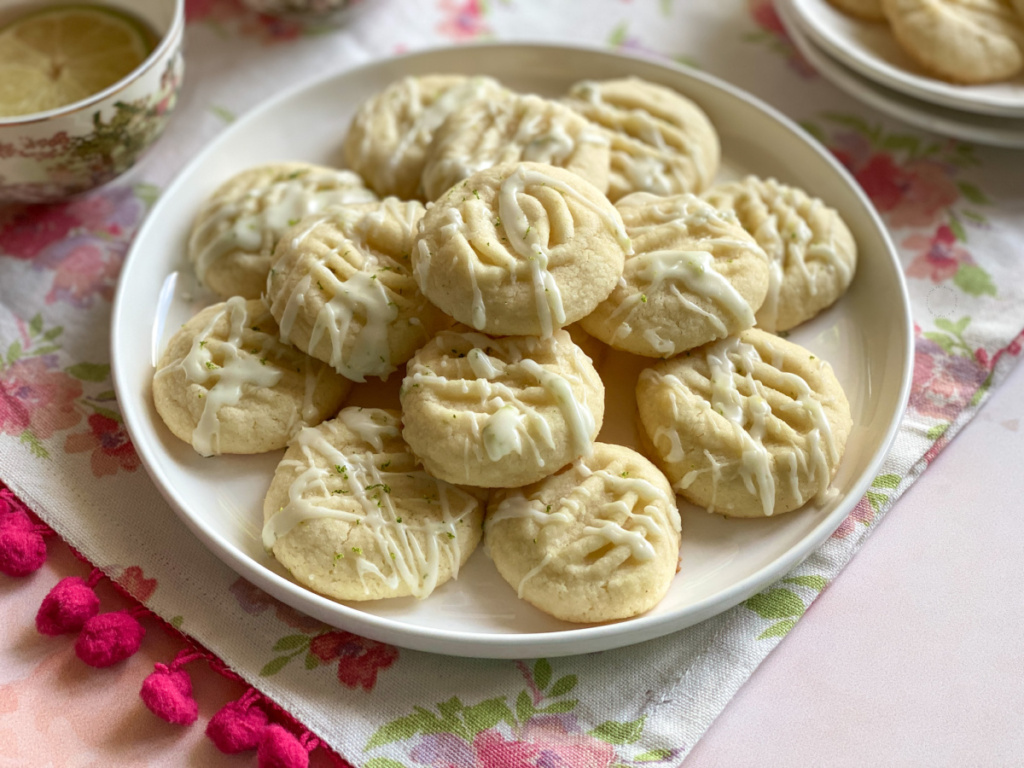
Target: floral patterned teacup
56,154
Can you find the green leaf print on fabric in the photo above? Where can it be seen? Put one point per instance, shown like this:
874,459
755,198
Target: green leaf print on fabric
783,606
776,603
619,733
950,336
617,37
815,582
383,762
89,371
974,280
544,728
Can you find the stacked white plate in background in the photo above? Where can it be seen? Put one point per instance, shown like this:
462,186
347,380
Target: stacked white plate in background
864,60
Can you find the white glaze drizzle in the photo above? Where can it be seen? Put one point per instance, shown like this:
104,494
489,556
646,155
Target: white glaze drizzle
423,119
525,239
695,271
257,220
507,423
644,159
788,239
413,548
226,383
359,310
638,503
748,413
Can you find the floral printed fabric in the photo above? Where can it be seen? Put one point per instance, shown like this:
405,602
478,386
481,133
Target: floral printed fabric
953,210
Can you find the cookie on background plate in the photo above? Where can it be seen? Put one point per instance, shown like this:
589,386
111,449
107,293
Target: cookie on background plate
520,249
750,426
868,10
594,542
695,275
962,41
231,245
661,141
480,134
352,515
500,413
227,384
341,288
388,138
811,252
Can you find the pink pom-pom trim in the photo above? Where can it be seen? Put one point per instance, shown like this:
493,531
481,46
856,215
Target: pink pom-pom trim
67,607
109,638
22,549
279,749
167,693
238,725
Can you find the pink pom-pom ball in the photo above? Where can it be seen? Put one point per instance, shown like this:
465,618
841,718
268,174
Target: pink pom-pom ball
67,607
279,749
22,549
236,728
15,518
109,638
167,693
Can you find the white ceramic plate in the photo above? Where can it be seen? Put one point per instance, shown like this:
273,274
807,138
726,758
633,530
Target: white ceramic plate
871,49
984,129
866,336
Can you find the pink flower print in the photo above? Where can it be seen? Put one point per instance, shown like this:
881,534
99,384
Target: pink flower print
464,19
359,658
914,195
939,257
36,398
84,270
562,743
26,231
112,449
135,582
254,600
943,384
862,513
764,15
443,750
543,746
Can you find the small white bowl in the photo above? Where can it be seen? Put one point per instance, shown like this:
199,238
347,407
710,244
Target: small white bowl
53,155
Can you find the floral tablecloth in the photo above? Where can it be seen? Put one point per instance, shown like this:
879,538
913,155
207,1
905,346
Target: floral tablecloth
954,210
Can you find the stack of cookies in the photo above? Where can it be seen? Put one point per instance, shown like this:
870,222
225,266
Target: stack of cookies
495,245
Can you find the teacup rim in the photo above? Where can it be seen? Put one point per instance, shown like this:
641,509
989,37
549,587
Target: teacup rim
168,40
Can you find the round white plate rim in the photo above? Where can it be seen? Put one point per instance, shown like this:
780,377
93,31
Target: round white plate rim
921,114
561,642
977,99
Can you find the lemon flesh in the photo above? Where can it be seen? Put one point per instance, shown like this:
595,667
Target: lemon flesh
65,54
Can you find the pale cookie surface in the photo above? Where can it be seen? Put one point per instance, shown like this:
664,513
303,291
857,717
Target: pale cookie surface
227,384
963,41
232,242
869,10
342,289
352,515
811,252
518,249
661,142
749,426
695,275
597,541
500,413
389,135
480,134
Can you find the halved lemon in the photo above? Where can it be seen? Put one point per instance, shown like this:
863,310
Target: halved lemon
64,54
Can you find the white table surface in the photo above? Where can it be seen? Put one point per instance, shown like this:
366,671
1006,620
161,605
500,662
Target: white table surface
914,656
